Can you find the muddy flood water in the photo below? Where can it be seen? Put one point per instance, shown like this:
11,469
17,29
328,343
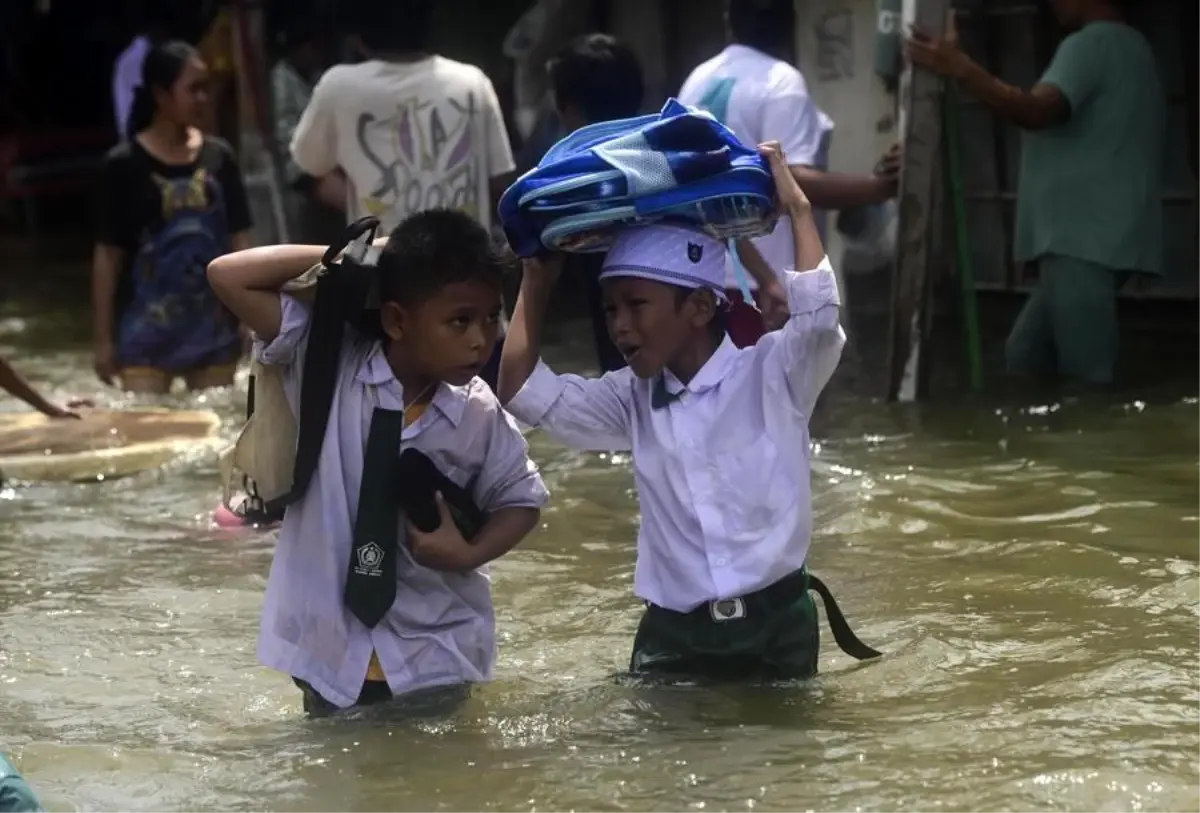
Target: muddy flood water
1030,570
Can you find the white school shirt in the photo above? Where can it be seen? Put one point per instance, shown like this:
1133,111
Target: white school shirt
441,628
722,473
761,98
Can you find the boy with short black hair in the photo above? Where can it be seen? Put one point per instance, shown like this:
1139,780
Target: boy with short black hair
360,605
596,77
719,439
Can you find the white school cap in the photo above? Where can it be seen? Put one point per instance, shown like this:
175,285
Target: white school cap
666,253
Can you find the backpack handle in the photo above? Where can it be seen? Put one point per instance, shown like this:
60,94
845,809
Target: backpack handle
354,231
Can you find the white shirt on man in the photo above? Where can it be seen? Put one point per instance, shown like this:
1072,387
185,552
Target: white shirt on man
409,136
761,98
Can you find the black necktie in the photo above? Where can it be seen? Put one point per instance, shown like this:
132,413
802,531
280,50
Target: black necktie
660,396
371,578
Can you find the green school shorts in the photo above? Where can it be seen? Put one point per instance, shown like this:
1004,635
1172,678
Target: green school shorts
775,638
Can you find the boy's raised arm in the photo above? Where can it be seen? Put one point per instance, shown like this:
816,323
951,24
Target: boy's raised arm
583,413
523,344
809,346
248,282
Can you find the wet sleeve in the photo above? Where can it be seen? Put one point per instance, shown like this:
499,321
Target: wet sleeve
314,143
113,204
1075,69
590,414
508,478
802,356
287,348
499,150
236,201
794,120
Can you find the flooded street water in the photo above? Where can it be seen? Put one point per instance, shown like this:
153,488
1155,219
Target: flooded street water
1030,571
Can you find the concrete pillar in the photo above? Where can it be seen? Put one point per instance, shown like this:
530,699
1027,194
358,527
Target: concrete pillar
835,49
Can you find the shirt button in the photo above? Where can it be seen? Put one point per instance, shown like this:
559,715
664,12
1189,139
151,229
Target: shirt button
721,561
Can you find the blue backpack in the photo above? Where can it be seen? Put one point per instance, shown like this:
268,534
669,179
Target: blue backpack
678,165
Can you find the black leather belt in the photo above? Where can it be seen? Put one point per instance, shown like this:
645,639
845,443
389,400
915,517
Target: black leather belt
781,594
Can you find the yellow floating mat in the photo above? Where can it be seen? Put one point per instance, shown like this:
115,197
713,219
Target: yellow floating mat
101,445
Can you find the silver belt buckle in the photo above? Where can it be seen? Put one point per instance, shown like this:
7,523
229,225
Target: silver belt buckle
727,609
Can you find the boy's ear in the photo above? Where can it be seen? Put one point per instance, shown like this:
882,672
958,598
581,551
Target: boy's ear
394,320
704,304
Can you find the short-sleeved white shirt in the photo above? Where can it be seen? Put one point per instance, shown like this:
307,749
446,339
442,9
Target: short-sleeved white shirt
409,136
761,98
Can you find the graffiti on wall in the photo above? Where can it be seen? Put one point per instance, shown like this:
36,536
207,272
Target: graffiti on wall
834,34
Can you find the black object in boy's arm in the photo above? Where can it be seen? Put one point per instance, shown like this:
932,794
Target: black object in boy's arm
418,480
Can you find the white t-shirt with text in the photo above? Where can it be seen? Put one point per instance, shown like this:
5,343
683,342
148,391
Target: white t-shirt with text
408,135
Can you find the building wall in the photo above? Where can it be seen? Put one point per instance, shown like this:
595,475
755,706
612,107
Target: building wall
835,50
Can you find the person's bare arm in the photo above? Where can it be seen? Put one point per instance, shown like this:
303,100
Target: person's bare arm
106,268
1045,105
15,385
771,294
502,532
523,344
333,190
810,251
106,265
241,241
836,191
1040,107
248,282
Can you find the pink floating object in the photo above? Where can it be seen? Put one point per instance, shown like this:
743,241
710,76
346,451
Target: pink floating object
229,520
224,518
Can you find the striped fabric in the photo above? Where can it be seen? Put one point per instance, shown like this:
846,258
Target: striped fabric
679,165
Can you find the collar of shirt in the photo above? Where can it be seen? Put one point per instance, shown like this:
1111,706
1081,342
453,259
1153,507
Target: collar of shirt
708,376
449,400
736,49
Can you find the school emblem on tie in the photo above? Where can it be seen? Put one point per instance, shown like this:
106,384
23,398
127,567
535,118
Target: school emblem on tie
695,251
369,556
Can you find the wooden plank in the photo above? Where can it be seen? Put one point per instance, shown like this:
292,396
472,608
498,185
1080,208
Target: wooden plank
921,126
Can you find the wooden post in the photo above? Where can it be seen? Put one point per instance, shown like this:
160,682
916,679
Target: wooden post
921,126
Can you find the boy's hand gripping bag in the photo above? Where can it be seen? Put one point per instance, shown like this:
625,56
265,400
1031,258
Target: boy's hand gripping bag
262,461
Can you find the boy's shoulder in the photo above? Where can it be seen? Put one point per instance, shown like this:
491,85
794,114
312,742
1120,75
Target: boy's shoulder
446,66
480,406
337,78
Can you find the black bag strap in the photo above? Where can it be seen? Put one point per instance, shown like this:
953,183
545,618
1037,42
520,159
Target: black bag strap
846,640
342,291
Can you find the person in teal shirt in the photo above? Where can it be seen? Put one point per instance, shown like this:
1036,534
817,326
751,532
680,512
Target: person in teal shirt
1089,207
15,794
